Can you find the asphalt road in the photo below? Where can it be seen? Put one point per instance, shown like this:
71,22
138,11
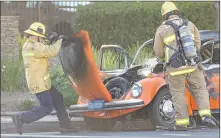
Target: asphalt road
196,133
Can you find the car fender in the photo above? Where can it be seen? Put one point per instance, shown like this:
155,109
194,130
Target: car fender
150,87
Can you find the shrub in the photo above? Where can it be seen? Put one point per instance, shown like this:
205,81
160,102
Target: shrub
12,71
25,105
12,75
126,23
70,96
95,54
61,82
21,40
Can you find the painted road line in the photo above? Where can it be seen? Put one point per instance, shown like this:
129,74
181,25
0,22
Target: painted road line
48,136
180,135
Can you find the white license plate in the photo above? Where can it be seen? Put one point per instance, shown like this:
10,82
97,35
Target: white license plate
96,105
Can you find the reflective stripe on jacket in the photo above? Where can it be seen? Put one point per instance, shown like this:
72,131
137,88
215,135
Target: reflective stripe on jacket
179,71
165,35
35,56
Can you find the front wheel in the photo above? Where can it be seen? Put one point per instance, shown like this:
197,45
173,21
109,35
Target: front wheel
117,87
100,124
161,111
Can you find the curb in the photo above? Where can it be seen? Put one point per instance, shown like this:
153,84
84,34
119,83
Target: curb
51,114
49,123
46,124
11,113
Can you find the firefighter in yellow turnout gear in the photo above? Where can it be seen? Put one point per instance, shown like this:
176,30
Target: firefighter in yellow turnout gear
36,52
179,68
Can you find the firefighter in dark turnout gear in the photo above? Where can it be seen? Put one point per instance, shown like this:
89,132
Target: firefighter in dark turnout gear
177,42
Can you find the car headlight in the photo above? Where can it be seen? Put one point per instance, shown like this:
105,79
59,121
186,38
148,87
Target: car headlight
136,90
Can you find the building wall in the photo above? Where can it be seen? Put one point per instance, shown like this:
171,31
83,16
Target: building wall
9,37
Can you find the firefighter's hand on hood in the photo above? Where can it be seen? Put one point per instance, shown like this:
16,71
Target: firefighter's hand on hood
53,37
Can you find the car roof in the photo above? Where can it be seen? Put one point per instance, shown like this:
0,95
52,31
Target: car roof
209,34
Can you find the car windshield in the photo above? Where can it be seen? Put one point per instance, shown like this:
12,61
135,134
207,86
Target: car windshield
142,54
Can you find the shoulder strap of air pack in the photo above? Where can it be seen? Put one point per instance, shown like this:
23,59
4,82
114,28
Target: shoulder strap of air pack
185,21
171,48
176,28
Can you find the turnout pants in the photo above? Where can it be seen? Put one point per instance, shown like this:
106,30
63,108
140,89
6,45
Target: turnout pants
48,99
199,91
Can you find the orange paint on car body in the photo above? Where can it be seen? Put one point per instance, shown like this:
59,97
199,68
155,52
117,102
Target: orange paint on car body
214,104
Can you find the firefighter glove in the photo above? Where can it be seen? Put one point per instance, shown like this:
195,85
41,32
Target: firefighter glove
53,37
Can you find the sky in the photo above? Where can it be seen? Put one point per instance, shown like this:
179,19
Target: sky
62,3
70,3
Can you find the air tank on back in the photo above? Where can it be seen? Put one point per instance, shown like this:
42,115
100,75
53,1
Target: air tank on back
188,44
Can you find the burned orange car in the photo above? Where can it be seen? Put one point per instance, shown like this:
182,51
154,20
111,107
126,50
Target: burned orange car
111,93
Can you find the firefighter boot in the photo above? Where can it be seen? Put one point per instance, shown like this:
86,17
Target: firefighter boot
192,123
209,121
18,123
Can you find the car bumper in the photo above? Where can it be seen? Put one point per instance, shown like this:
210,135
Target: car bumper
114,105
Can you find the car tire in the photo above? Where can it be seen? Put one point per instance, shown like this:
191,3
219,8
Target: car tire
156,112
100,124
117,87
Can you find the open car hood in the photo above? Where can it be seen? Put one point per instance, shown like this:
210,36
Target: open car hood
79,66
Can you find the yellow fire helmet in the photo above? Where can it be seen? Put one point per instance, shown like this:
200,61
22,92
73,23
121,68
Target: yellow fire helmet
168,7
36,29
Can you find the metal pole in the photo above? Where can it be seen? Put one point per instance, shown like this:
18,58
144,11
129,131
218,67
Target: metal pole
217,6
38,11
